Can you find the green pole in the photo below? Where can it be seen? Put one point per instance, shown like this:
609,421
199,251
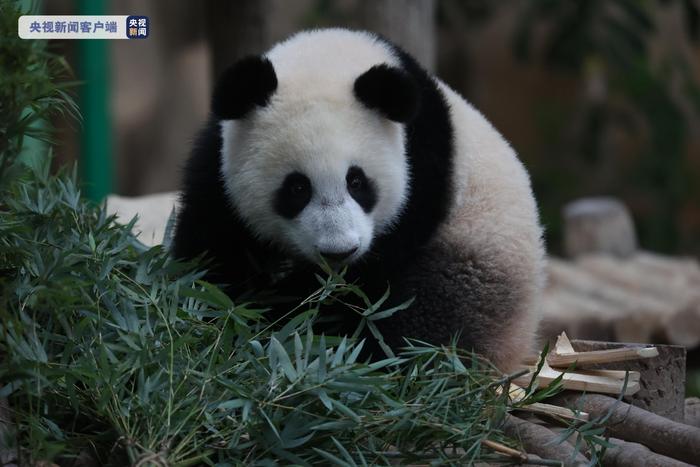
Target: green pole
33,150
95,162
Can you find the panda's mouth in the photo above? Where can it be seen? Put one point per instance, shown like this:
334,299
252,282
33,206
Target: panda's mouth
338,256
338,260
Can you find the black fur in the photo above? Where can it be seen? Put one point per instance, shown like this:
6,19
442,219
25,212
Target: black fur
208,223
362,189
293,196
429,148
389,90
249,82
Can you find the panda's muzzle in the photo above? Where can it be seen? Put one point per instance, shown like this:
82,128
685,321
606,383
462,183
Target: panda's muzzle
338,255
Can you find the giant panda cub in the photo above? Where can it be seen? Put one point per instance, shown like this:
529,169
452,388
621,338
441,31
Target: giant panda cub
338,144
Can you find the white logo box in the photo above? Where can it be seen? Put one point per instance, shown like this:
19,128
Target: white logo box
72,27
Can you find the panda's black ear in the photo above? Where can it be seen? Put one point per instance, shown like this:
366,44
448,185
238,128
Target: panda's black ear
390,91
249,82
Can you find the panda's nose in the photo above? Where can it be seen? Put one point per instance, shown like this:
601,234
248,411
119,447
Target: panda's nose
338,255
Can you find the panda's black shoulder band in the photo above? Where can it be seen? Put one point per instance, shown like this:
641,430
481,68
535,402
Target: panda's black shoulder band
389,90
248,83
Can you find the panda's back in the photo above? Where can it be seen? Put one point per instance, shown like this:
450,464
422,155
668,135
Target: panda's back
487,173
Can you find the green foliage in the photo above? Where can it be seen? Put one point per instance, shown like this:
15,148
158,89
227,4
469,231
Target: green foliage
28,88
120,351
627,129
693,383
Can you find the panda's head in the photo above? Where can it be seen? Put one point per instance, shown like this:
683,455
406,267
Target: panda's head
317,167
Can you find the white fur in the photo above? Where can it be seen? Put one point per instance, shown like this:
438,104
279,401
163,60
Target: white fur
316,126
495,214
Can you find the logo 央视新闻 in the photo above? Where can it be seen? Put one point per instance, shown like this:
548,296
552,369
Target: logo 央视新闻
83,27
137,27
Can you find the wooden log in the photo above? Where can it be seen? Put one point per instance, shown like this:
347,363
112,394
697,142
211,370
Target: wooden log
692,411
569,276
668,265
632,316
598,225
677,287
585,317
676,440
626,454
674,286
647,298
683,328
662,378
539,440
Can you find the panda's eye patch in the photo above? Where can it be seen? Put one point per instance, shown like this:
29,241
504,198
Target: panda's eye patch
361,188
293,195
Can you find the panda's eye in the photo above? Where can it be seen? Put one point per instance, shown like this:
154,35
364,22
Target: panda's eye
355,183
355,179
297,185
298,189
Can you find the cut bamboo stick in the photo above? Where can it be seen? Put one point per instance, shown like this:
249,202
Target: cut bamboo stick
540,408
602,381
503,449
517,394
564,354
601,356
